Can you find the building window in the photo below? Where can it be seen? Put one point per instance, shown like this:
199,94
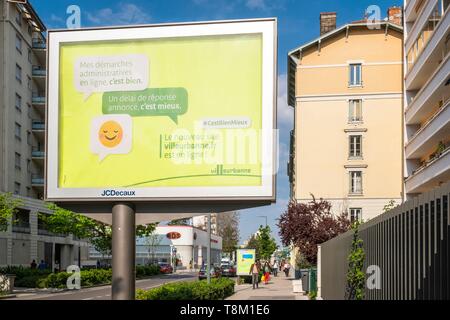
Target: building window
355,148
18,73
18,131
29,56
18,102
19,17
355,182
355,214
19,43
16,188
17,160
28,165
29,137
29,85
28,192
355,74
355,110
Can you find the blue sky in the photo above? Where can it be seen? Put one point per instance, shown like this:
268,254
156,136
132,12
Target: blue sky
298,22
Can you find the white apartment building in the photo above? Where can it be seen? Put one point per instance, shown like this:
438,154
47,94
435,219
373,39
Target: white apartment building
427,94
22,140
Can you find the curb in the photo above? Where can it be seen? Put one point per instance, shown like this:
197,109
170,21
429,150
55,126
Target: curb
7,296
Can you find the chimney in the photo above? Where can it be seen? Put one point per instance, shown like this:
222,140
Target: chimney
327,22
395,15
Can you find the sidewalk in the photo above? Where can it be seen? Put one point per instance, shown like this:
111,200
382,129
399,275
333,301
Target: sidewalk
279,288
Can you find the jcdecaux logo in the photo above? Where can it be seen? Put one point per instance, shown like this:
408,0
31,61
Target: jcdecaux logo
117,193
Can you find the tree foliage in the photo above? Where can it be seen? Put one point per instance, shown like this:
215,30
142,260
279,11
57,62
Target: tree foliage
8,206
355,274
306,225
99,234
263,243
179,222
267,244
228,229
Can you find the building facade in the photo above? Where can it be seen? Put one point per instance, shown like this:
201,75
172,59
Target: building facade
346,89
427,95
189,243
22,140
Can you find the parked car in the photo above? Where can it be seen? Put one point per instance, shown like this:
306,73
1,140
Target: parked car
215,272
165,267
228,270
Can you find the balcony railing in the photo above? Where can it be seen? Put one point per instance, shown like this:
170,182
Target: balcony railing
21,228
37,180
38,125
39,43
37,153
38,71
432,159
38,98
355,119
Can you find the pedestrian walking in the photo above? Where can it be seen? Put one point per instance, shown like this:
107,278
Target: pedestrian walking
267,271
286,268
275,268
42,265
33,264
254,271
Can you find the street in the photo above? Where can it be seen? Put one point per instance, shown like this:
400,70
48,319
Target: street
104,292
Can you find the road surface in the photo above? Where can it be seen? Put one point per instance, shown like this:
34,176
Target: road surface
104,292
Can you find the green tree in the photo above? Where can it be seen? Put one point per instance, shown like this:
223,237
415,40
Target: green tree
8,206
179,222
267,244
253,243
228,229
355,274
389,206
99,234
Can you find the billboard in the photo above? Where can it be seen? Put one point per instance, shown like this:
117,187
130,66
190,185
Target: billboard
244,260
162,112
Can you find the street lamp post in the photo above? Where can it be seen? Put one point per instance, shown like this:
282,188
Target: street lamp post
264,217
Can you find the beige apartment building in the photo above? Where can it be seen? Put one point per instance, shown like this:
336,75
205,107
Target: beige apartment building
22,141
346,88
427,95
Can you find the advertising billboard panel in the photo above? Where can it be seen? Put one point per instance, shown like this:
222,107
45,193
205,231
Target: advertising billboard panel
244,260
162,112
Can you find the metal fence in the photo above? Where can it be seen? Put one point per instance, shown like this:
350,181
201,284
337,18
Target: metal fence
410,245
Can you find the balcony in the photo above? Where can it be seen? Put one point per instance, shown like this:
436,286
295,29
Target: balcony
37,154
436,129
432,92
39,44
38,98
21,228
38,125
412,9
430,57
38,71
430,175
37,180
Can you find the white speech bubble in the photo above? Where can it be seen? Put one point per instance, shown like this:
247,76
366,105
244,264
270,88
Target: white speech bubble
111,73
111,134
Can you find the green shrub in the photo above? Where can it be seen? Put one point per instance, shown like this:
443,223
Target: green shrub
312,295
25,276
145,271
219,289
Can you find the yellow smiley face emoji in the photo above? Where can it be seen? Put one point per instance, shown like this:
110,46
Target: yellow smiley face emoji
110,134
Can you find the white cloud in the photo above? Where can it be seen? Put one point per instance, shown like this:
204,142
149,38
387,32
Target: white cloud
285,112
125,13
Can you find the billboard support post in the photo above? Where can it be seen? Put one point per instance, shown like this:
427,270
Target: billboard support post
208,250
123,251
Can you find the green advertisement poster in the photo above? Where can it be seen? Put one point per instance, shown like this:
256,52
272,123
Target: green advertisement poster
170,116
176,111
245,259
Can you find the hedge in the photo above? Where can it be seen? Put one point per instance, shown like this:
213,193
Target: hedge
34,278
219,289
25,276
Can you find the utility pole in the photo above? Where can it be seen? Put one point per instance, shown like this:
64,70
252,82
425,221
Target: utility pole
264,217
208,250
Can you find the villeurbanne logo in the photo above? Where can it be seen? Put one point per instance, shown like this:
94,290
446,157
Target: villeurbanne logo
117,193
